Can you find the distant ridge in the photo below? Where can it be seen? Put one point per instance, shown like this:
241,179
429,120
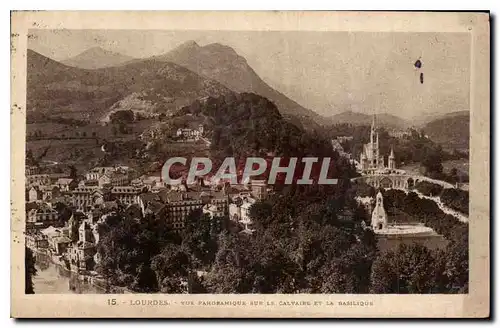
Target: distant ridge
356,118
97,57
451,130
423,120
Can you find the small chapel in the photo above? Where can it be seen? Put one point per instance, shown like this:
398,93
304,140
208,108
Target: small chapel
379,216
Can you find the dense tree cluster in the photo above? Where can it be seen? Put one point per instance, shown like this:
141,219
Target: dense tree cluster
456,199
452,263
246,124
410,269
428,188
306,241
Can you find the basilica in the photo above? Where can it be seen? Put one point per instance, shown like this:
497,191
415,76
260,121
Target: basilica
370,159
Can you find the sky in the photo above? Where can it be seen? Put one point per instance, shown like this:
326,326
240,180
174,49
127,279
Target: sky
328,72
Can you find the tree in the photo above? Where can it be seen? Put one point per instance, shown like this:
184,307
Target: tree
30,158
408,270
64,212
200,238
432,163
30,271
429,188
457,264
230,273
127,247
122,117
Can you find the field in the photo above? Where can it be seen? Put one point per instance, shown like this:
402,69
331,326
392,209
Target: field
462,165
413,168
59,130
79,152
84,153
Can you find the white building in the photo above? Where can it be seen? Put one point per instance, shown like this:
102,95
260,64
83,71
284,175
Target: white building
379,216
190,134
240,211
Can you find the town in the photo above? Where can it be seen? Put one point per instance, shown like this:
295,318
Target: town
104,190
64,210
186,172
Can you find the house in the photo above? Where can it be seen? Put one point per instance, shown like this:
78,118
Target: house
400,134
60,244
36,241
259,188
31,170
119,179
345,138
215,211
188,134
147,198
54,177
179,205
84,197
49,192
97,172
81,255
126,194
104,180
42,217
34,194
239,211
85,232
66,184
152,181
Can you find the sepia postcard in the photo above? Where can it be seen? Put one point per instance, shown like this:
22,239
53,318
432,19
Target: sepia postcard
250,164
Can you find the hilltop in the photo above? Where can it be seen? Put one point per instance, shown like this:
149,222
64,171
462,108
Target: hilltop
97,57
223,64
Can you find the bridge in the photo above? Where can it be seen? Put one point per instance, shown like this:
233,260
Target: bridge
398,180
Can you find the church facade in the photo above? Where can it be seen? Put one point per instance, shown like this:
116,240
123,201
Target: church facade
379,216
370,158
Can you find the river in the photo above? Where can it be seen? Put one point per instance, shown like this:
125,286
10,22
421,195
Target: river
53,279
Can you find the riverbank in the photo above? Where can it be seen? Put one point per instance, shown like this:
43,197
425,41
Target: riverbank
54,276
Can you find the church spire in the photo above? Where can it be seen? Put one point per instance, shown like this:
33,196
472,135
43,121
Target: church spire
372,130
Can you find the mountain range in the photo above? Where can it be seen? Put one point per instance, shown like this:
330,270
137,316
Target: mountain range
151,86
213,61
98,82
